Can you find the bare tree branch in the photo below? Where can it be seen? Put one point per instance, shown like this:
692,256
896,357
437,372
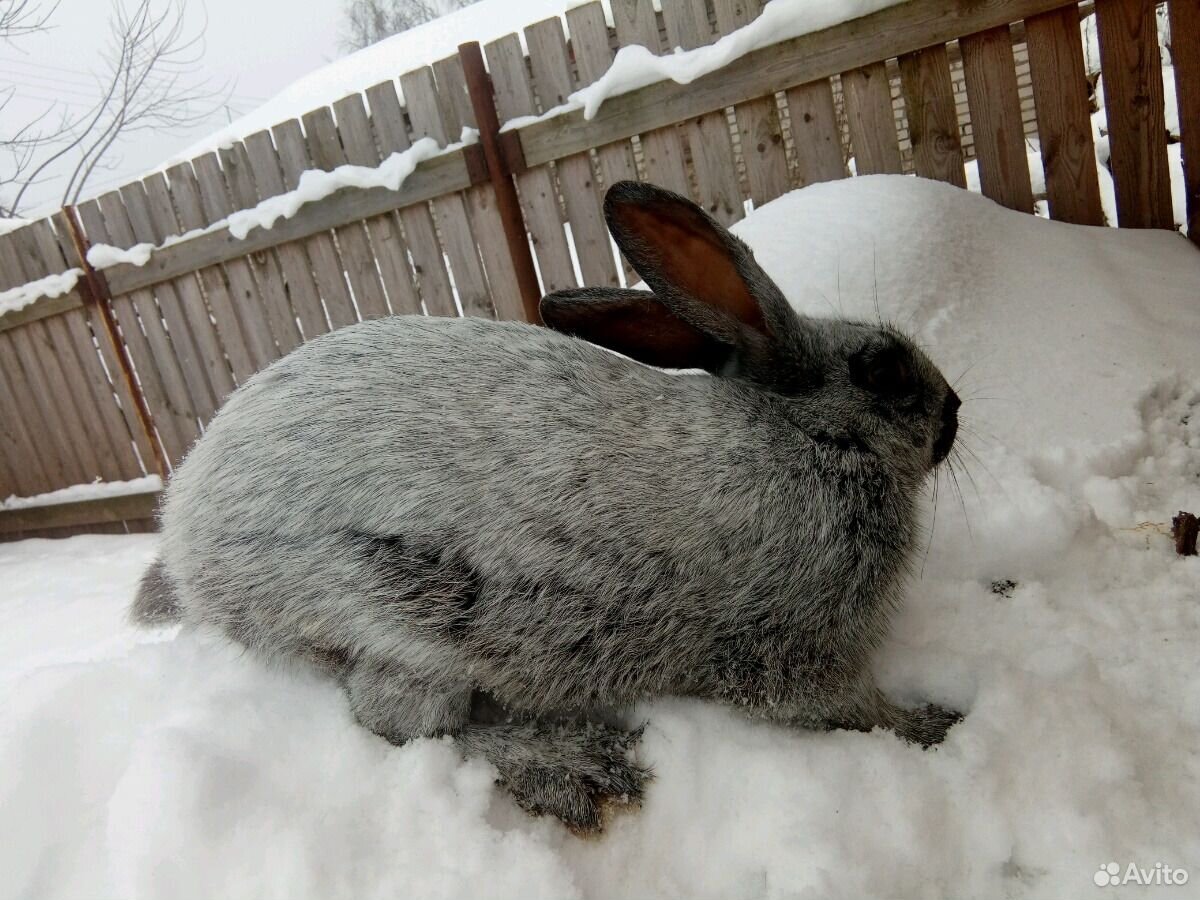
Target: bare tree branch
152,80
21,17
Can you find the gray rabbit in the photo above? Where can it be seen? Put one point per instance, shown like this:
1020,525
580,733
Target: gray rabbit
503,533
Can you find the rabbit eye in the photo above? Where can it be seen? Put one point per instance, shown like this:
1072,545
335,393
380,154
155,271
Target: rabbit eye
886,373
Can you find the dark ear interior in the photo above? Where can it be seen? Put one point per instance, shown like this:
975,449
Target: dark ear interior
680,251
635,324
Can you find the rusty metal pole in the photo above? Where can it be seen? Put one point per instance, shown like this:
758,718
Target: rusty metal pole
96,295
500,172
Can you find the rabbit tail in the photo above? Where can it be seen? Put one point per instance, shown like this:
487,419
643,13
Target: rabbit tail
156,602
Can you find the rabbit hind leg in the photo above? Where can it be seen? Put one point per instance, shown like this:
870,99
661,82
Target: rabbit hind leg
399,704
567,769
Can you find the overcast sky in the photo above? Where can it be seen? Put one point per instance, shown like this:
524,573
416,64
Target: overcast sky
256,47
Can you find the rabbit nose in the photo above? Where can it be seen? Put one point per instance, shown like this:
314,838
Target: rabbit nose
945,438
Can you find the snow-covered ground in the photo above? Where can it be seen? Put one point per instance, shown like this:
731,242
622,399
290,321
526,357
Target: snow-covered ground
158,764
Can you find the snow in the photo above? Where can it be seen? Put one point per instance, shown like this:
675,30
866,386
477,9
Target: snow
315,184
12,223
635,67
94,491
164,764
104,256
49,286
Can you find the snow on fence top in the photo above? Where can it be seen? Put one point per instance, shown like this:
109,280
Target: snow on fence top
377,222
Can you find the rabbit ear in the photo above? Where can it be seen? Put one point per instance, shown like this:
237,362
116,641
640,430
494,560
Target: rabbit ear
699,270
635,324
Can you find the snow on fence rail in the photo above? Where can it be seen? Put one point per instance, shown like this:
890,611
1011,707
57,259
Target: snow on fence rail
916,87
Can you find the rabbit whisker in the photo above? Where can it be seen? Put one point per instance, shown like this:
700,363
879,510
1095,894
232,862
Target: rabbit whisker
962,461
875,286
932,523
961,501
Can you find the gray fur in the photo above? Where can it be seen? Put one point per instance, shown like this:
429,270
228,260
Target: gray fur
431,509
156,602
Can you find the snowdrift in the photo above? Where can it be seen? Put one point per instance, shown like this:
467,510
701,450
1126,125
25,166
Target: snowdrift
1050,608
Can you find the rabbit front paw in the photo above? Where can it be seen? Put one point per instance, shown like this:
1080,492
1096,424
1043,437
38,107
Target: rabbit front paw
927,725
567,771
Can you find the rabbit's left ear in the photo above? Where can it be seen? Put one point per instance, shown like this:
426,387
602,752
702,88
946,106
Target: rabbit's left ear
696,267
635,324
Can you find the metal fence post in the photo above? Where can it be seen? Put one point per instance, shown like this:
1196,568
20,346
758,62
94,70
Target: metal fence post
504,159
96,295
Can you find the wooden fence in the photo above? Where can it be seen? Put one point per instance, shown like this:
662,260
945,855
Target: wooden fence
116,378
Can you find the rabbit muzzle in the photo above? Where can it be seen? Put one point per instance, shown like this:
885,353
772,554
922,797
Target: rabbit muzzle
945,439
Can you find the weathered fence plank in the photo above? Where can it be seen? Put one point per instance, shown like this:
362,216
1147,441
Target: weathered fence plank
77,425
255,310
536,187
425,113
33,409
157,369
581,195
189,296
240,321
42,309
204,400
81,425
1134,107
353,245
429,264
302,283
816,142
43,371
593,55
70,340
93,329
283,272
385,232
1064,121
758,123
661,142
22,431
322,252
29,386
235,173
999,133
117,441
52,383
10,484
1185,56
932,117
268,273
868,97
708,135
79,512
